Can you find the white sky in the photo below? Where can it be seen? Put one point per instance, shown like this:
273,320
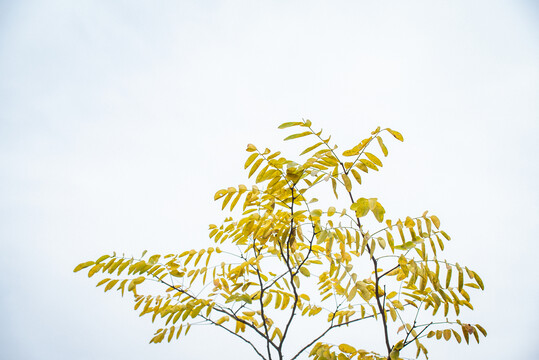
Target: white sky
120,119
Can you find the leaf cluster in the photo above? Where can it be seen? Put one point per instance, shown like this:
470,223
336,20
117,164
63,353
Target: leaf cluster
284,257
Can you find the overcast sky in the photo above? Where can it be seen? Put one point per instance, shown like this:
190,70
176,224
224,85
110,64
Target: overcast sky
120,119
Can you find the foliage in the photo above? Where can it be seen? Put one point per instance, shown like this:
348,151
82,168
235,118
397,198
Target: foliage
284,258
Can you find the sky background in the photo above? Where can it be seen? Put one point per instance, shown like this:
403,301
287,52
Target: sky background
120,119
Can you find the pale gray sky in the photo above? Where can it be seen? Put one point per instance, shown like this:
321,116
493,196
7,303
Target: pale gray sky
120,119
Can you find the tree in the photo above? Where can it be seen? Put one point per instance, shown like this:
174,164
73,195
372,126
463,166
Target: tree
285,258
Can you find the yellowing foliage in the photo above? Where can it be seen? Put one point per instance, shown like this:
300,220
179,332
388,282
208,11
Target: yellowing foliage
278,244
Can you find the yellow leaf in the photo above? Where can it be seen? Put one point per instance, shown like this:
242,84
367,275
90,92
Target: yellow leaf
267,300
447,334
374,159
334,185
379,212
110,285
153,259
295,136
361,207
278,300
347,348
251,148
102,258
219,194
94,269
352,293
398,305
362,167
457,336
479,281
369,164
382,146
399,345
254,167
135,282
347,182
445,235
171,333
393,313
222,320
83,265
289,124
435,221
396,134
250,159
483,331
102,282
356,176
406,246
310,148
286,300
304,271
351,152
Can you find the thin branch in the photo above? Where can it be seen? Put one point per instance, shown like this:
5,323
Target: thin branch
228,312
387,272
233,333
264,322
421,332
